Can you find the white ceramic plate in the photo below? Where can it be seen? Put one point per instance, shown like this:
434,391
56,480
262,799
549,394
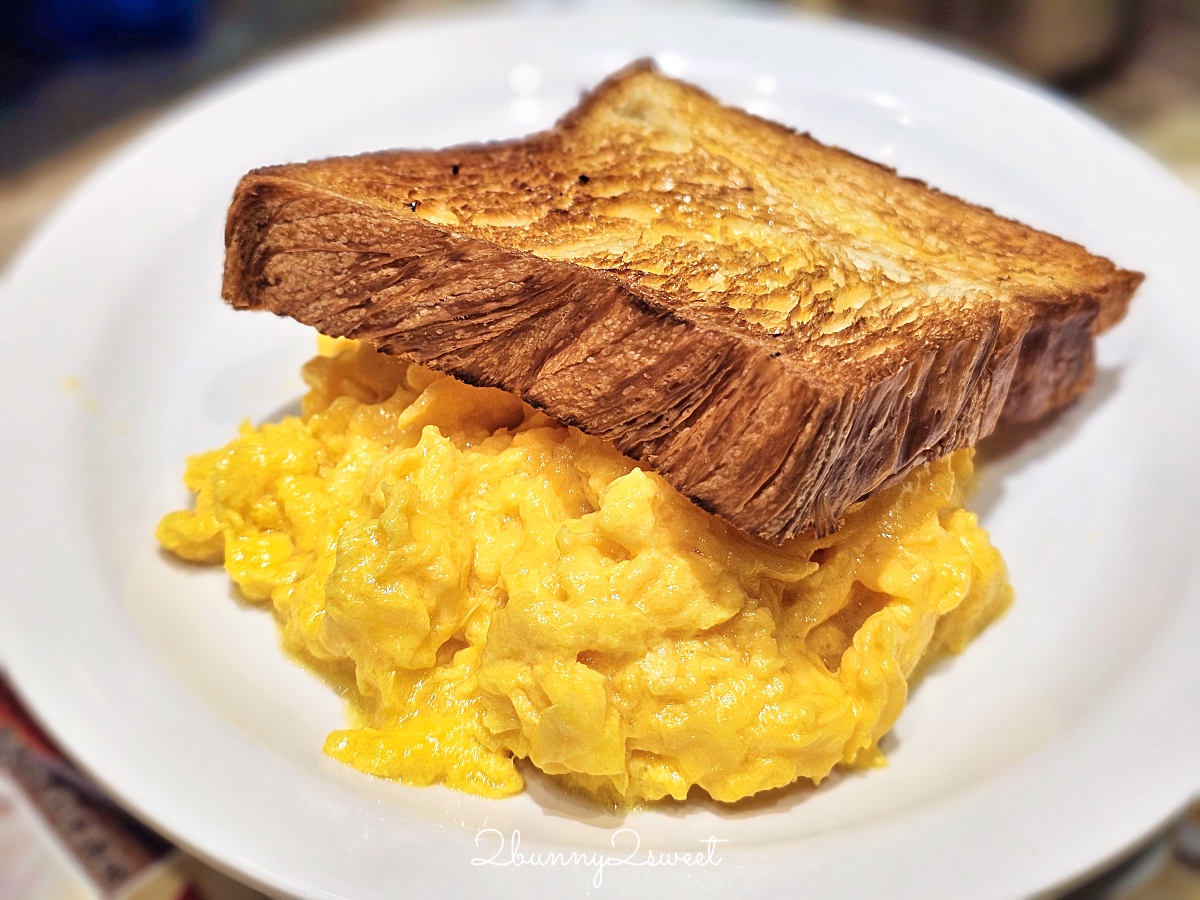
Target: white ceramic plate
1069,730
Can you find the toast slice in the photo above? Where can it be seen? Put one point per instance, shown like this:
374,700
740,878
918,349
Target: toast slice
776,326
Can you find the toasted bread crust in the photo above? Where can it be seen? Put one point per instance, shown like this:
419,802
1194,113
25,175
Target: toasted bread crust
776,427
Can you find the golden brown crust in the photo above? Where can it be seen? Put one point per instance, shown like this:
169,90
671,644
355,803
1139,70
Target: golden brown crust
833,327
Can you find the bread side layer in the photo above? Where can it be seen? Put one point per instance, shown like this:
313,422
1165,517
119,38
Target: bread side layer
773,448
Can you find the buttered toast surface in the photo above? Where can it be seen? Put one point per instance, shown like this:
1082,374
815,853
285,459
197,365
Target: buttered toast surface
776,326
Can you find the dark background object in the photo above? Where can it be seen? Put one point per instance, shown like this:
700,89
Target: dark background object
70,67
1070,44
84,27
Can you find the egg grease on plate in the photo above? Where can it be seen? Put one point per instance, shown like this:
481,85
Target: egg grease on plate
485,584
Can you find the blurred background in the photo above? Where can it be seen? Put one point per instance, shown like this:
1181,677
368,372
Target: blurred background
78,77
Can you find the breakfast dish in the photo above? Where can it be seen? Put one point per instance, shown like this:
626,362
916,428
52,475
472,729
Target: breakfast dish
696,517
178,699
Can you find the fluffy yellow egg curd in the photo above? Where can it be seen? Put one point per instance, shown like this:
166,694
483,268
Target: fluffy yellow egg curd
485,585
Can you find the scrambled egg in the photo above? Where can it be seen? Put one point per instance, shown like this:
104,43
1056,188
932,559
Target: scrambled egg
486,585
